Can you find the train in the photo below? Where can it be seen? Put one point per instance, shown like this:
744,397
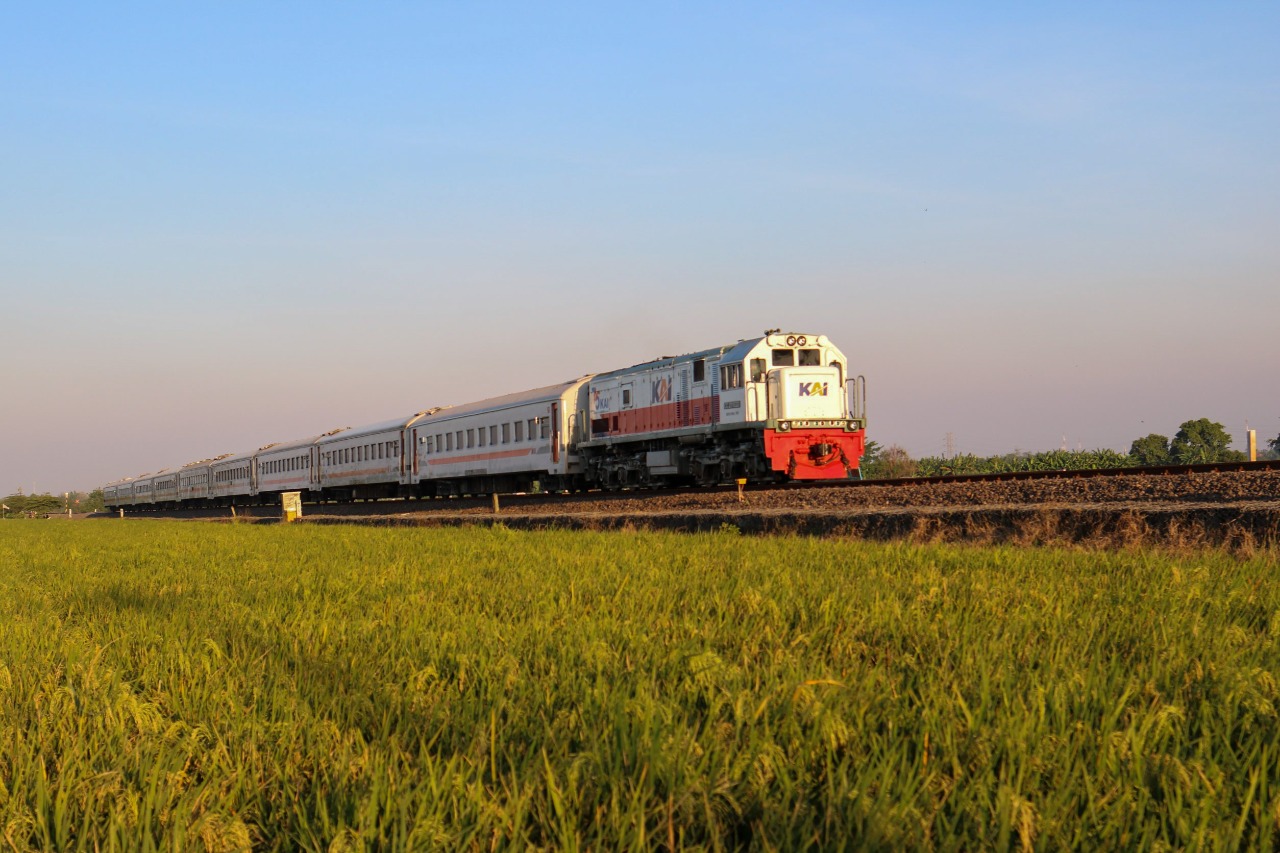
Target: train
778,407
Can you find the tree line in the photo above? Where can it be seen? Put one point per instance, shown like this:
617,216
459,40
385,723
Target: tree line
19,505
1196,441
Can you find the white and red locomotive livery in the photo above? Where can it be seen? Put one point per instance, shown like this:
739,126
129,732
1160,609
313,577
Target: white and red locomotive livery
782,406
773,407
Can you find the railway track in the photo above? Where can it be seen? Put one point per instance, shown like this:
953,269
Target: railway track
1145,471
1212,482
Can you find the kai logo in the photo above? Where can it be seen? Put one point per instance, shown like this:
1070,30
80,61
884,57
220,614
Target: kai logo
662,391
813,389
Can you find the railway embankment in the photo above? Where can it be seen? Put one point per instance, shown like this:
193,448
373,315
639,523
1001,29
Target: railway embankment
1233,509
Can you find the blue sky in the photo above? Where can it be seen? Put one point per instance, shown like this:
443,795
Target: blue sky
228,224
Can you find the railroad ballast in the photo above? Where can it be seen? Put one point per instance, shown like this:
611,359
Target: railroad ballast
782,406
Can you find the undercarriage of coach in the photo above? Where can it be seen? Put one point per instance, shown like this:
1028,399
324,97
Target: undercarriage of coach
486,484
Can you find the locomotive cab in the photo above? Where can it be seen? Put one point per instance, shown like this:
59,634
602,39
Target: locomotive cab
783,378
814,428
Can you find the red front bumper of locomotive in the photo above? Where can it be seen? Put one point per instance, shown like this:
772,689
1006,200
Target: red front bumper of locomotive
815,454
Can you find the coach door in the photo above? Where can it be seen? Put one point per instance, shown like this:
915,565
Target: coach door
555,432
411,447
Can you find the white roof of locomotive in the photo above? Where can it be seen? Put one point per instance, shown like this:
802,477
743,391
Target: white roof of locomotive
664,361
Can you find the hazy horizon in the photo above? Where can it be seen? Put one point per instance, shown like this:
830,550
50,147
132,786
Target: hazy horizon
232,225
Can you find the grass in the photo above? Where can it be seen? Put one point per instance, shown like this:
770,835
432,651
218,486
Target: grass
220,687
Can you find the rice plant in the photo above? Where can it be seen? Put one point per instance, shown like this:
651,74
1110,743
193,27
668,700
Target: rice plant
223,687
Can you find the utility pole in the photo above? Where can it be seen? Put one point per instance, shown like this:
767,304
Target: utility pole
951,445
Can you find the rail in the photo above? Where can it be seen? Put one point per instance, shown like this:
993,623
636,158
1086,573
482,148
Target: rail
1066,473
515,500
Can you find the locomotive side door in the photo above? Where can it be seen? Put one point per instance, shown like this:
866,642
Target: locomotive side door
627,414
757,407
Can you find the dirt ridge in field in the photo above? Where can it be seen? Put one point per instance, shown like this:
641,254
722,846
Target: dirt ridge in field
1236,526
1236,510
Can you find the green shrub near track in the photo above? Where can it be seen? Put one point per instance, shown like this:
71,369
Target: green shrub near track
1050,460
169,685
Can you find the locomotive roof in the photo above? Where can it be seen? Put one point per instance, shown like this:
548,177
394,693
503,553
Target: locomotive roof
733,352
743,348
739,351
667,361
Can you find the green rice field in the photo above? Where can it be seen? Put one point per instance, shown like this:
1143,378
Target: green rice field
196,686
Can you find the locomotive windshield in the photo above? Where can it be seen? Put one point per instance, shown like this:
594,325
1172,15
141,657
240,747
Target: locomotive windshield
787,357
